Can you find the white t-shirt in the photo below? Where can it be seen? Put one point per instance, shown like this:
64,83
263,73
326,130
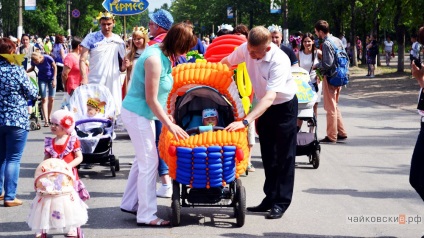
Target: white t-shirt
269,73
305,62
388,46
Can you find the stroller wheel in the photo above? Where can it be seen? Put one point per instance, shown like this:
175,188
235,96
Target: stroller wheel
33,126
38,126
176,204
112,165
117,166
240,205
315,159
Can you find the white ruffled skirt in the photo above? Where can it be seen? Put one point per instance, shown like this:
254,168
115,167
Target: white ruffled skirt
57,212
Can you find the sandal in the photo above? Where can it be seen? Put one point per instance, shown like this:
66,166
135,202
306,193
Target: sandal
46,124
158,222
250,168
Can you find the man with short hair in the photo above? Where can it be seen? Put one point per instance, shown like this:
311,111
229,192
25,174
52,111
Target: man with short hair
277,37
106,50
335,127
276,116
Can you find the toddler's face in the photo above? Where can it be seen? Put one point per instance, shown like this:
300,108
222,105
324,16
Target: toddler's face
210,121
92,111
57,130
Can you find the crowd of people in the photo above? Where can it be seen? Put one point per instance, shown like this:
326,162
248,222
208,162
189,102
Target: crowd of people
140,99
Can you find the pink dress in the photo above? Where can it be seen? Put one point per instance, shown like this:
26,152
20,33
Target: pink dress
65,151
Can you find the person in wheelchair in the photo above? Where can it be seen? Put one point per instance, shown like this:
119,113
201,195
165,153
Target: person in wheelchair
93,112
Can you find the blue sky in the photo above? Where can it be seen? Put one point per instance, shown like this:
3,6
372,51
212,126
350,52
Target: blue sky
157,3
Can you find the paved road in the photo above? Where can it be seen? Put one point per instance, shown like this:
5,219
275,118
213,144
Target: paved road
366,176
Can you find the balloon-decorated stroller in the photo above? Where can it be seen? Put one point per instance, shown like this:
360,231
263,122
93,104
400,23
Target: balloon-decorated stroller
205,168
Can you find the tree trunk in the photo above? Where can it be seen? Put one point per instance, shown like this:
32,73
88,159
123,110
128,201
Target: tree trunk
353,34
400,35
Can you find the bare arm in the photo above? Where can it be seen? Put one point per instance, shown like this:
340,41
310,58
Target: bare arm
77,160
54,83
259,109
152,67
30,69
418,74
65,73
83,66
62,53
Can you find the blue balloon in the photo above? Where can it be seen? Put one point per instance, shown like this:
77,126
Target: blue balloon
215,181
198,185
214,155
185,150
184,160
228,153
214,148
214,172
226,159
229,163
215,185
214,166
183,181
184,155
200,161
200,172
214,161
229,179
199,149
200,155
184,165
199,166
229,148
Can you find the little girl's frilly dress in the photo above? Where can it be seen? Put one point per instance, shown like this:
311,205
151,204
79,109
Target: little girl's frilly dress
56,205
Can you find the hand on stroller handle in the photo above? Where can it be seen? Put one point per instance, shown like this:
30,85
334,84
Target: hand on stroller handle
234,126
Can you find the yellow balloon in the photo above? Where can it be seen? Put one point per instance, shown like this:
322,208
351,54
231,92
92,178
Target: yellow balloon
245,101
244,84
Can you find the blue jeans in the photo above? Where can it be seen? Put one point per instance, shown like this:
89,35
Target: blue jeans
43,86
12,144
416,175
163,167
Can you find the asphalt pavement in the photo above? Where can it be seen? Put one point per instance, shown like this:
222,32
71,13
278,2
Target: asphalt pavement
360,189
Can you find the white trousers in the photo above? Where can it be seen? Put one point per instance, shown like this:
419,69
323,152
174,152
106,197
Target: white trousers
140,193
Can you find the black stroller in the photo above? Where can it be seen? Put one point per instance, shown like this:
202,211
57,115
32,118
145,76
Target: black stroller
96,148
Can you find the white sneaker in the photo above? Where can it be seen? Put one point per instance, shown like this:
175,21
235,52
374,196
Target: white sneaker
165,191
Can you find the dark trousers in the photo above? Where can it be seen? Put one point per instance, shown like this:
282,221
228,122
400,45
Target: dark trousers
59,83
277,136
416,176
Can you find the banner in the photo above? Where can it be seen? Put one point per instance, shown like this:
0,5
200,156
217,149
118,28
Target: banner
30,5
125,7
230,14
275,7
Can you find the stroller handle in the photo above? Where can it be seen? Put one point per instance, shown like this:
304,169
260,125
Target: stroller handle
105,121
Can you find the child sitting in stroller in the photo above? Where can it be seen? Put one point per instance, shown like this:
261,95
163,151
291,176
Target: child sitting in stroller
93,112
210,117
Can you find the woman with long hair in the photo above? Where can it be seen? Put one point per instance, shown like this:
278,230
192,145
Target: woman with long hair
309,56
145,102
138,44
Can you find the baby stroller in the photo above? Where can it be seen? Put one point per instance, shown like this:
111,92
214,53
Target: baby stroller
57,206
35,115
307,141
205,168
96,148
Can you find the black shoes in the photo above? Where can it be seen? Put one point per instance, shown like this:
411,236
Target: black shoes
275,213
260,208
130,212
327,140
339,137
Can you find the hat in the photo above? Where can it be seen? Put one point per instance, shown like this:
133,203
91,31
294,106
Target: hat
95,102
64,119
162,18
209,112
226,27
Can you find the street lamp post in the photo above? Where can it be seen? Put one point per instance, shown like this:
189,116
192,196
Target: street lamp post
285,24
19,19
69,16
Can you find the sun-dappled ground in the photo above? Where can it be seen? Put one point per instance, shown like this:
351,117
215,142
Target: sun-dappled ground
389,87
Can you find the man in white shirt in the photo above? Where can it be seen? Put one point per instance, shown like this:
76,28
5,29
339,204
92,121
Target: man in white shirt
276,115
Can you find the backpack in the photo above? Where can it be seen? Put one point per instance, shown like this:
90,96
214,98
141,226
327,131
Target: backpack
340,75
